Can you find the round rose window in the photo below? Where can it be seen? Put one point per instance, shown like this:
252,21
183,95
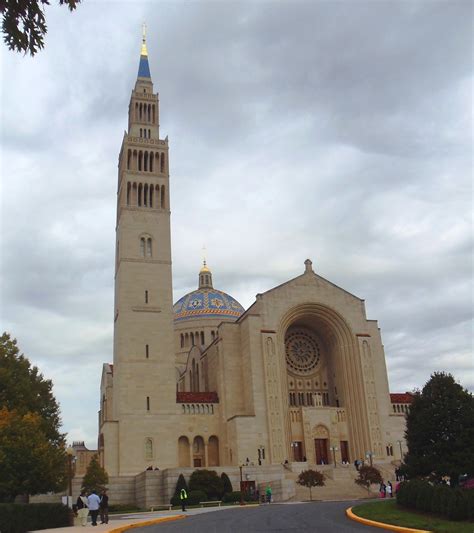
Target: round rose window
302,351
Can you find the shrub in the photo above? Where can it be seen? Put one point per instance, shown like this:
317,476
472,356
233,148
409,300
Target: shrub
452,503
196,496
231,497
226,484
425,493
457,509
20,518
206,481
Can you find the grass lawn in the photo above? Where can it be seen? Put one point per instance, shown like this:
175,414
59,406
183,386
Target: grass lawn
390,513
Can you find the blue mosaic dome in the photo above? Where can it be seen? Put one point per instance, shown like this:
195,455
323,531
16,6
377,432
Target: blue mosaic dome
207,303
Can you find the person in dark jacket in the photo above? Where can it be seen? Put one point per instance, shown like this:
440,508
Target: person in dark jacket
183,496
82,508
104,507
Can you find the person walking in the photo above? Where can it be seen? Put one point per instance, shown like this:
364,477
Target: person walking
183,496
104,507
382,489
82,508
389,489
268,494
93,502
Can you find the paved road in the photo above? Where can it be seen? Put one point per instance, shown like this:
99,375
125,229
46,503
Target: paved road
320,517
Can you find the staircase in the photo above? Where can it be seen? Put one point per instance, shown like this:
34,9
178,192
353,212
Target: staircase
338,484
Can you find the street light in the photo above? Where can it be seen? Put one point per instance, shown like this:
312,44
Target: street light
70,460
334,449
241,486
369,455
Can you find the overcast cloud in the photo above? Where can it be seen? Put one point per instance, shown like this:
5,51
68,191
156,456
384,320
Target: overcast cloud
338,131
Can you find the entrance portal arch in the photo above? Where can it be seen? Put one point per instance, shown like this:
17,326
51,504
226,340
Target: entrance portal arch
323,368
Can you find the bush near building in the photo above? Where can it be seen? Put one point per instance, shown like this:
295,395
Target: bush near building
20,518
207,481
443,500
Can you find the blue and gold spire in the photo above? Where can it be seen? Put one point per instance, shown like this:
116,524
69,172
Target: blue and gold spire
144,67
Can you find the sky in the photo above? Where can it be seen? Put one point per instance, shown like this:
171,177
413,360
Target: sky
336,131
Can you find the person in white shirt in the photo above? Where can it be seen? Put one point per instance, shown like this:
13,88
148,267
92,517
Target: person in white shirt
93,502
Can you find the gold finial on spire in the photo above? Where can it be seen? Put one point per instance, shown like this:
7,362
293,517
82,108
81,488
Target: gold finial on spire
144,51
204,262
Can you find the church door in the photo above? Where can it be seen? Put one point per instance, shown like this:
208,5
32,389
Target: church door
344,451
321,451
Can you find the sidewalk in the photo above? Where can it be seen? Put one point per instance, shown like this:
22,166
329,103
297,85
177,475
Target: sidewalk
117,522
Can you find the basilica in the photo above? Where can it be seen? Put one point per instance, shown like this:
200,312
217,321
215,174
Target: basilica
298,378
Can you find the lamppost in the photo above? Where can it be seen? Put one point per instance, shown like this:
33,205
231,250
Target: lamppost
241,486
401,453
334,449
369,455
70,460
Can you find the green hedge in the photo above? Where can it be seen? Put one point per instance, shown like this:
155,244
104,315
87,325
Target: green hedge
452,503
23,517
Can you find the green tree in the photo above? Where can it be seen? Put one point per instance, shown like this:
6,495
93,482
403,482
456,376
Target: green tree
367,476
29,462
95,478
310,479
24,389
24,23
207,481
181,484
440,430
31,423
226,484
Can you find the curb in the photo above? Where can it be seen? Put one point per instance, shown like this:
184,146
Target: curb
391,527
147,523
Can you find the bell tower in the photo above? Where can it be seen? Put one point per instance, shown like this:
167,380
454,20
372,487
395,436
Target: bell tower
144,390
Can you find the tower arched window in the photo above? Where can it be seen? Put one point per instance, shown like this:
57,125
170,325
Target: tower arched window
152,190
140,160
148,449
141,132
192,339
129,157
145,194
140,193
162,166
153,113
129,188
182,340
151,161
202,338
149,247
142,246
162,196
145,162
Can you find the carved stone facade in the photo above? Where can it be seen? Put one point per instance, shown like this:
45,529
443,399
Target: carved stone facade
299,376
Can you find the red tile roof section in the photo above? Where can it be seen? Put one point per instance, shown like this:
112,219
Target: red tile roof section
197,397
401,397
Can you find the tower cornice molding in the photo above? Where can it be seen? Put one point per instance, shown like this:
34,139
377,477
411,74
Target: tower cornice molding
142,141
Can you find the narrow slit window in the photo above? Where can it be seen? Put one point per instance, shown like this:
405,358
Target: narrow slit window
147,351
147,403
146,297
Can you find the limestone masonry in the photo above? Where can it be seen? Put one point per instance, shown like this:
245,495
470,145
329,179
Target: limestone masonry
299,376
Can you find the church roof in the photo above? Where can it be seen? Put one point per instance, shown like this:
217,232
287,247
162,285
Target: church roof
144,67
207,303
401,397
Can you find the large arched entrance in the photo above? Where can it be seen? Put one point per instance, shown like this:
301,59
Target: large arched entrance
323,385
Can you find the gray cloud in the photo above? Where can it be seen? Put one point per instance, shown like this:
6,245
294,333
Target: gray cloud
336,131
